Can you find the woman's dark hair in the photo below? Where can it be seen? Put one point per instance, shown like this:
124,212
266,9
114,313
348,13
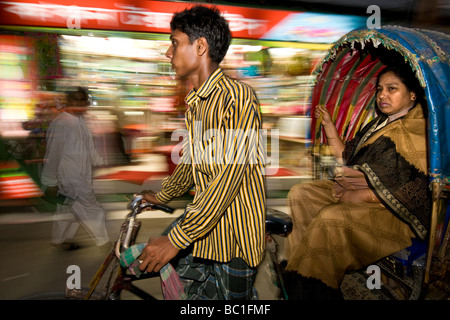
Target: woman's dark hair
200,21
405,73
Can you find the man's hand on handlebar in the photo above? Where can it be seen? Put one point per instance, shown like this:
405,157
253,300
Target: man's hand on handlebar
149,196
157,254
159,251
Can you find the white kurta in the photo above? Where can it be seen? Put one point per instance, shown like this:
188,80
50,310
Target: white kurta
69,158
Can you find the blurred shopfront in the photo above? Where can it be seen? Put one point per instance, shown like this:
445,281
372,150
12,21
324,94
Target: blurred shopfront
117,50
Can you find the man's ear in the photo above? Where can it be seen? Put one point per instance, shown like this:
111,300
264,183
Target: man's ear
202,46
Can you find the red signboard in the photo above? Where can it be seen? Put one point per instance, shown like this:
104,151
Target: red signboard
128,15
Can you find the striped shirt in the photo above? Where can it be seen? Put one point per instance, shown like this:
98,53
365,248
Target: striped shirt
223,158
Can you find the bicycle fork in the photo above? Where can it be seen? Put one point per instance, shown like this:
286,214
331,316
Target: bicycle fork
271,248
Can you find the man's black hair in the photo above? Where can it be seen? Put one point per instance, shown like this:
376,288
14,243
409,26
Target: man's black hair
201,21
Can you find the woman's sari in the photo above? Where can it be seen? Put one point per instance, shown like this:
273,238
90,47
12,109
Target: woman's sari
394,161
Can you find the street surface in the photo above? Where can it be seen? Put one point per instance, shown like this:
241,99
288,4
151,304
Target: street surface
30,265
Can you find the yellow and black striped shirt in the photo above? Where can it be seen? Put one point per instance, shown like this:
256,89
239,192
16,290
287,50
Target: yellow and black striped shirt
223,158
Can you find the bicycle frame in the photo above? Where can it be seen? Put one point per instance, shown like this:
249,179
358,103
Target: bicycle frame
121,281
117,279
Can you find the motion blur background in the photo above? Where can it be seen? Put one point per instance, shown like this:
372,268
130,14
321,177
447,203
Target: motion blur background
117,50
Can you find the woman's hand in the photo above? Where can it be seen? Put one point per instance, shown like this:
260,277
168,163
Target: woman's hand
323,112
334,141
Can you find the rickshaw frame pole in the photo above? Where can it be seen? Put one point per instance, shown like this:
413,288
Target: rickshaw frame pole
436,189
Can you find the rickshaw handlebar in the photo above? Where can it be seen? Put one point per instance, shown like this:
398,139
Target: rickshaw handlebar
136,203
137,206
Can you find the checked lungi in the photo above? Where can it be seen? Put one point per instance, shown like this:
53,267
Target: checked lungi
209,280
198,279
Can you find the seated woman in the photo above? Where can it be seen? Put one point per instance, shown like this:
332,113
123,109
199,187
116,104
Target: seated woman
376,203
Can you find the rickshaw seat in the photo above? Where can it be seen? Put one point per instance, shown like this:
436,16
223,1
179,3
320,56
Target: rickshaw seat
278,222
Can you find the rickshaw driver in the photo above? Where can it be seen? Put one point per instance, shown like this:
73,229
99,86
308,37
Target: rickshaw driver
220,239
